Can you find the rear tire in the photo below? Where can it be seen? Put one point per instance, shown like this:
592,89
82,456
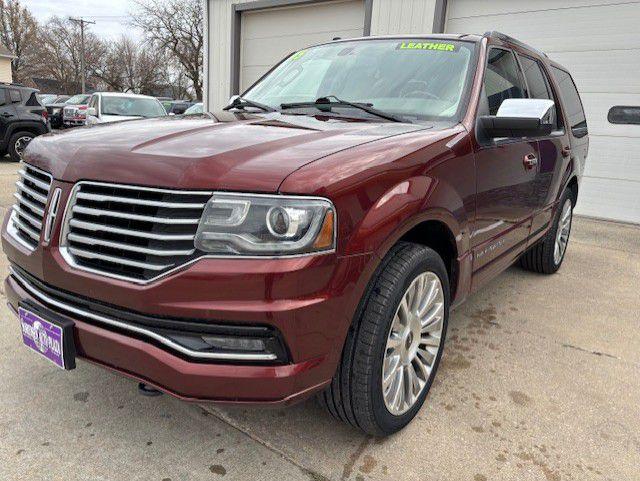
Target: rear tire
402,322
546,256
17,143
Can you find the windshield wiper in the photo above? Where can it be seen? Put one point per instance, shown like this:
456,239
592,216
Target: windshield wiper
325,104
240,103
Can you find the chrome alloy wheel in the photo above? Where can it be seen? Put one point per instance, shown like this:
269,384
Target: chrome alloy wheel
562,233
21,144
413,343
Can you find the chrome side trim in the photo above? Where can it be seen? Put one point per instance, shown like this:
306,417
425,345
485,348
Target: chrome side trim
42,297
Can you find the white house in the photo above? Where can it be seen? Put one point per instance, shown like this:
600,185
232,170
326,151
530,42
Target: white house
598,40
5,64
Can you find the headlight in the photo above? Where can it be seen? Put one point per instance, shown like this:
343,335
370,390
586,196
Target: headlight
264,225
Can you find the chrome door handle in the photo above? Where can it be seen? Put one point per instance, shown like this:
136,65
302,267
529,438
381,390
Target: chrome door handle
530,161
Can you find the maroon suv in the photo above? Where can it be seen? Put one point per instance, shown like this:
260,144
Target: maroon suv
311,238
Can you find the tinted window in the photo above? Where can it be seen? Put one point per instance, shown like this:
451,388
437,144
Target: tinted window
571,101
33,101
14,95
502,79
537,83
2,97
621,114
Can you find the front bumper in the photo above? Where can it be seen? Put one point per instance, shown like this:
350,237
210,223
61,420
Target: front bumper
310,301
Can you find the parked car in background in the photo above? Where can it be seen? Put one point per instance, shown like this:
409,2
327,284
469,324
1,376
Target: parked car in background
22,118
54,109
105,107
74,112
46,99
195,109
177,107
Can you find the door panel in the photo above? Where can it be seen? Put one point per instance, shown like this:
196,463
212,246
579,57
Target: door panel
504,208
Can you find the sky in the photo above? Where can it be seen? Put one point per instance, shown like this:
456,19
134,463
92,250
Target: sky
111,16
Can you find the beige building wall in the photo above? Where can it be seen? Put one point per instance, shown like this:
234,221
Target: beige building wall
5,70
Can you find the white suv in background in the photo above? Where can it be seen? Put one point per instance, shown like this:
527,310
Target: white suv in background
105,107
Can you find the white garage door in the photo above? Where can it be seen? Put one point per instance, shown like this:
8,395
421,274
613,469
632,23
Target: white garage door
267,36
599,42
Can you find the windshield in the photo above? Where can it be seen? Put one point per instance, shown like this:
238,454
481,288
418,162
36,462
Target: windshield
415,79
78,100
194,109
132,106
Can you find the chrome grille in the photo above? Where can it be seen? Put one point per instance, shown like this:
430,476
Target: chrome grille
31,199
135,233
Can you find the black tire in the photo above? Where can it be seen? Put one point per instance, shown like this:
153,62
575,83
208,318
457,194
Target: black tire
355,394
15,156
540,257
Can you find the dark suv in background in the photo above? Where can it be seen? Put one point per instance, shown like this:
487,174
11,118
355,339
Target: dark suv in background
22,118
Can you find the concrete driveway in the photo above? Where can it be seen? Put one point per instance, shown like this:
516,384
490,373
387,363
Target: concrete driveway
539,381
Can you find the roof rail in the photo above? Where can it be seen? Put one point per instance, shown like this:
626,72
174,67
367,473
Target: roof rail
515,41
13,84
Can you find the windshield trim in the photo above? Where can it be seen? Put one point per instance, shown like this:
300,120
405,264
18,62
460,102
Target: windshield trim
465,96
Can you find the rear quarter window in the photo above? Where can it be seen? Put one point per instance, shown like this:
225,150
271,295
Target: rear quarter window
572,103
32,101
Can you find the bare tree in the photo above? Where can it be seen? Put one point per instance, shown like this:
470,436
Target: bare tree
59,53
19,33
176,26
130,66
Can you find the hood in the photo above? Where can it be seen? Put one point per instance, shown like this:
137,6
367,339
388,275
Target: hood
105,119
228,151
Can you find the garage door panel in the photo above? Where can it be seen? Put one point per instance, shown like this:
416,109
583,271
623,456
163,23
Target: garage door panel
597,105
467,8
609,199
267,36
613,157
300,20
592,70
254,53
563,30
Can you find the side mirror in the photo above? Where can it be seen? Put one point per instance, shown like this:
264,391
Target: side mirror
92,112
233,99
519,118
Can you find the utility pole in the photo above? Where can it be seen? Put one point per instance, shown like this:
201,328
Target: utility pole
82,22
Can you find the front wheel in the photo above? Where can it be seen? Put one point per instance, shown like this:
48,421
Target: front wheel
394,348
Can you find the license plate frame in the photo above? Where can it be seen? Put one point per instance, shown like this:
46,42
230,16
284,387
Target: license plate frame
48,334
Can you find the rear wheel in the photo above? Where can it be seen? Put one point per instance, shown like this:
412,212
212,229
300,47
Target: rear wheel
394,347
547,255
18,143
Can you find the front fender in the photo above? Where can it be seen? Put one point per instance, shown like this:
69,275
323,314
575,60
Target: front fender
403,207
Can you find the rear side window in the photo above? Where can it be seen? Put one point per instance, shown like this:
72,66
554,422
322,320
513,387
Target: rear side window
32,101
538,84
3,99
14,95
502,80
572,103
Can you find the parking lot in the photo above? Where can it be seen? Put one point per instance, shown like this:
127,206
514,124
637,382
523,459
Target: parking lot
539,381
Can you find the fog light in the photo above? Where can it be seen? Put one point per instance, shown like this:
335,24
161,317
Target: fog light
235,343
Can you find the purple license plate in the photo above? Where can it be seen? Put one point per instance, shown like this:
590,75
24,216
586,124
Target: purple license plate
42,336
